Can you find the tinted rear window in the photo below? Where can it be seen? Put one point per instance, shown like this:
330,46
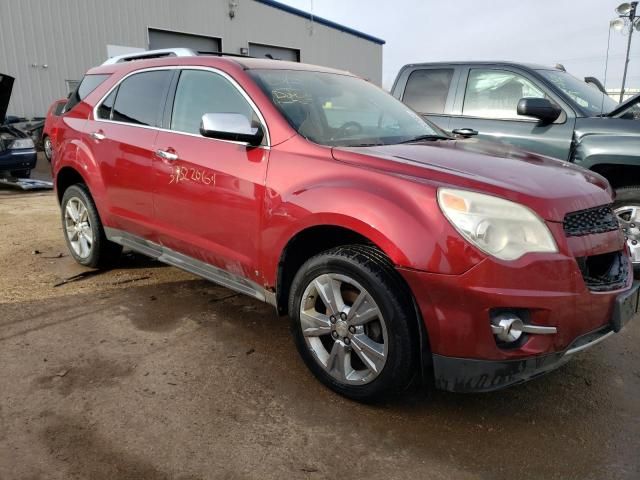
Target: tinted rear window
427,90
59,108
88,84
141,97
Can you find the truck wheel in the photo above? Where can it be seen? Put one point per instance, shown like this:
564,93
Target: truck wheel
627,208
353,322
83,229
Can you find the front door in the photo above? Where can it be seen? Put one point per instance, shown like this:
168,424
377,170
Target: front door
209,193
489,106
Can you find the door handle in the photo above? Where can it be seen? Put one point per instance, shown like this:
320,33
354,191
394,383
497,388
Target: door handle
98,136
465,132
172,157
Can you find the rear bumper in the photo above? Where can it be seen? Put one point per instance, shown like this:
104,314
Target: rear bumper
465,375
18,160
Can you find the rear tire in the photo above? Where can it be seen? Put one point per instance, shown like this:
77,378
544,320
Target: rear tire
83,230
353,323
627,208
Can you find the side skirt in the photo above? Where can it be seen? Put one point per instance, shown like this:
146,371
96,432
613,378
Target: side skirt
190,264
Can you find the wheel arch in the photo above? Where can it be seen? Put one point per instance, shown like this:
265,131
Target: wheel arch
307,243
620,175
66,177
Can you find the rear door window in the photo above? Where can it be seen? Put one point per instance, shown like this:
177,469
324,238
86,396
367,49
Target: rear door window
427,90
496,93
141,97
88,84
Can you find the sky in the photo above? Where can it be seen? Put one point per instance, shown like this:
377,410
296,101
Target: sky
571,32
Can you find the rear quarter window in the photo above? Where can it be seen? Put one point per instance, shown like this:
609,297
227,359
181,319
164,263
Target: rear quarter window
88,84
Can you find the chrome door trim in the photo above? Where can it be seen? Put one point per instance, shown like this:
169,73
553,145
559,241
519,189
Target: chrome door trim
214,70
205,270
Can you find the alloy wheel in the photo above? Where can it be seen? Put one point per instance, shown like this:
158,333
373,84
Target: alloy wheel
48,148
344,329
78,227
629,219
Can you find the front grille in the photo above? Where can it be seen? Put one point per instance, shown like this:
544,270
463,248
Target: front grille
605,272
590,221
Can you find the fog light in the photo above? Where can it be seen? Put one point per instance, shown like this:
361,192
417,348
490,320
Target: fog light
507,327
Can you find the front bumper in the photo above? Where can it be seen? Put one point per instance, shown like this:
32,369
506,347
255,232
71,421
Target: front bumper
465,375
456,311
23,159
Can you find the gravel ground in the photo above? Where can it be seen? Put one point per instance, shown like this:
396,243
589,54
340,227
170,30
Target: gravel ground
146,372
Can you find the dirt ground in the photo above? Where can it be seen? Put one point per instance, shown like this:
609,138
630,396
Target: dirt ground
146,372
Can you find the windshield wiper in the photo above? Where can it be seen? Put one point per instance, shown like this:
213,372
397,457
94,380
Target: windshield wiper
363,145
420,138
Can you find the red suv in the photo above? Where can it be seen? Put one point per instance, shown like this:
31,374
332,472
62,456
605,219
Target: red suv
398,251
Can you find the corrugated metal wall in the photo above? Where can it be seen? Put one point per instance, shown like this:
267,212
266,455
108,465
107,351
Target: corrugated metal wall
70,36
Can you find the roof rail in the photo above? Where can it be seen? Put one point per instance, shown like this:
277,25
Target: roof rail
224,54
148,54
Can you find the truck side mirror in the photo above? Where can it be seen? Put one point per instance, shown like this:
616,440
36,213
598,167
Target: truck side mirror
541,108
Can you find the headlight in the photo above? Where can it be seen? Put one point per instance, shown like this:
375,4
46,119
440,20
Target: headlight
21,143
501,228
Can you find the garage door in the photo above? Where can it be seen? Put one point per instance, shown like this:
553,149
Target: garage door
166,39
259,50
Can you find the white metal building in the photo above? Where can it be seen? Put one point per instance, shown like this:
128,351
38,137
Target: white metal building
49,44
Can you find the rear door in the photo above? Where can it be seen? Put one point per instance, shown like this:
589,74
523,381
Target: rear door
122,137
430,91
487,102
209,193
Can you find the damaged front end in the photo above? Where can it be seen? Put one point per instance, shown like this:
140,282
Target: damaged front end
17,150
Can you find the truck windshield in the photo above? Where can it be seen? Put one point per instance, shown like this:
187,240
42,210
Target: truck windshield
588,98
340,110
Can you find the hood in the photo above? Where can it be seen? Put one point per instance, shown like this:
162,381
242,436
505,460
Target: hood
550,187
6,85
624,107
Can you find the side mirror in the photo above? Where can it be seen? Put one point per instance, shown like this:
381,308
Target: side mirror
230,126
541,108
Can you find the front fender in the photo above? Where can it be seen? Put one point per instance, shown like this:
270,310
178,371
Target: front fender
600,149
398,214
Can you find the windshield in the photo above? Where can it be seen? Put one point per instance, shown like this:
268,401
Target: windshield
588,98
339,110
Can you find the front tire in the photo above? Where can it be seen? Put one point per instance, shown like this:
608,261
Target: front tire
627,208
83,230
353,322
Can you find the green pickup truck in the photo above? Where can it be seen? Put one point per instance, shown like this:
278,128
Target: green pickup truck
540,109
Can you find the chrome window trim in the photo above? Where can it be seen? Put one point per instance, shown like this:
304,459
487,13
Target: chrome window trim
225,75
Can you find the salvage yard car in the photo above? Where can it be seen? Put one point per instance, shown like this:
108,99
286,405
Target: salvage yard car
51,123
398,251
17,151
540,109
